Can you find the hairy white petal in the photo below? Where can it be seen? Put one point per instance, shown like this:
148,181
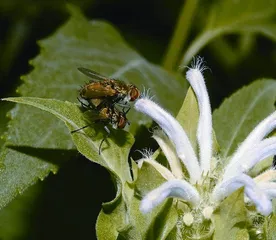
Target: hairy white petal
269,188
258,133
173,188
204,130
159,167
258,197
167,148
175,132
250,158
267,176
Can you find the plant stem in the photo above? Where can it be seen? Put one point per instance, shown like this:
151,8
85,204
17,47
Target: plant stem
180,34
198,44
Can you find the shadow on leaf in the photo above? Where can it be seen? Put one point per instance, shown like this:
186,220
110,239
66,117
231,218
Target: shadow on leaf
54,156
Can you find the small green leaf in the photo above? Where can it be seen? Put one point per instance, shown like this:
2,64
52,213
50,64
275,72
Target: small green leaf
109,222
148,179
230,216
188,116
228,17
270,228
163,223
242,234
239,114
156,224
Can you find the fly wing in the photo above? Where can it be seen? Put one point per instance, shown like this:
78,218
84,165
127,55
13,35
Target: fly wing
92,74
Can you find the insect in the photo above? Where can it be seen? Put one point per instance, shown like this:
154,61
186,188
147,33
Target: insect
107,115
102,90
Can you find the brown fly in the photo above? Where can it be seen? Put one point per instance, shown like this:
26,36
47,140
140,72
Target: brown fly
103,90
107,115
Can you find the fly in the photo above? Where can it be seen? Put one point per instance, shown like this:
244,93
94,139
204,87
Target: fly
104,90
107,115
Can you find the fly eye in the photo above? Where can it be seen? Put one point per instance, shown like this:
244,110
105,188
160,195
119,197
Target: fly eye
122,122
134,93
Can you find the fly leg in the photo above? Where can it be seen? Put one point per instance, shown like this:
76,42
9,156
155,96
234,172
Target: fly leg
125,112
80,128
123,105
106,136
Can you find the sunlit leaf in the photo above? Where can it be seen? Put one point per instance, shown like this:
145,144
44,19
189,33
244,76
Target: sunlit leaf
113,156
230,216
270,228
188,116
240,113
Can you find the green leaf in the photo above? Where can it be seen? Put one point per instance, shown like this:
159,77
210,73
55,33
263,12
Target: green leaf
242,234
163,223
148,179
228,17
113,156
5,107
126,221
270,227
188,116
238,115
230,217
160,221
109,222
79,42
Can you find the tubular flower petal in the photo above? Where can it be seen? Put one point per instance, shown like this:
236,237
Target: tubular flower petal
166,173
258,133
255,194
175,132
204,130
173,188
257,153
267,176
169,152
269,188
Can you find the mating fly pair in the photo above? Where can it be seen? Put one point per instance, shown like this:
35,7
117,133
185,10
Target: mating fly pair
103,96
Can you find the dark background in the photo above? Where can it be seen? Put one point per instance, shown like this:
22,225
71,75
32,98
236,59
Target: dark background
67,204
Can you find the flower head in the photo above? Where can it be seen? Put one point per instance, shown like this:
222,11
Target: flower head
180,154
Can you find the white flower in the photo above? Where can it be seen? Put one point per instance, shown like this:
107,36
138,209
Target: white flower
178,150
